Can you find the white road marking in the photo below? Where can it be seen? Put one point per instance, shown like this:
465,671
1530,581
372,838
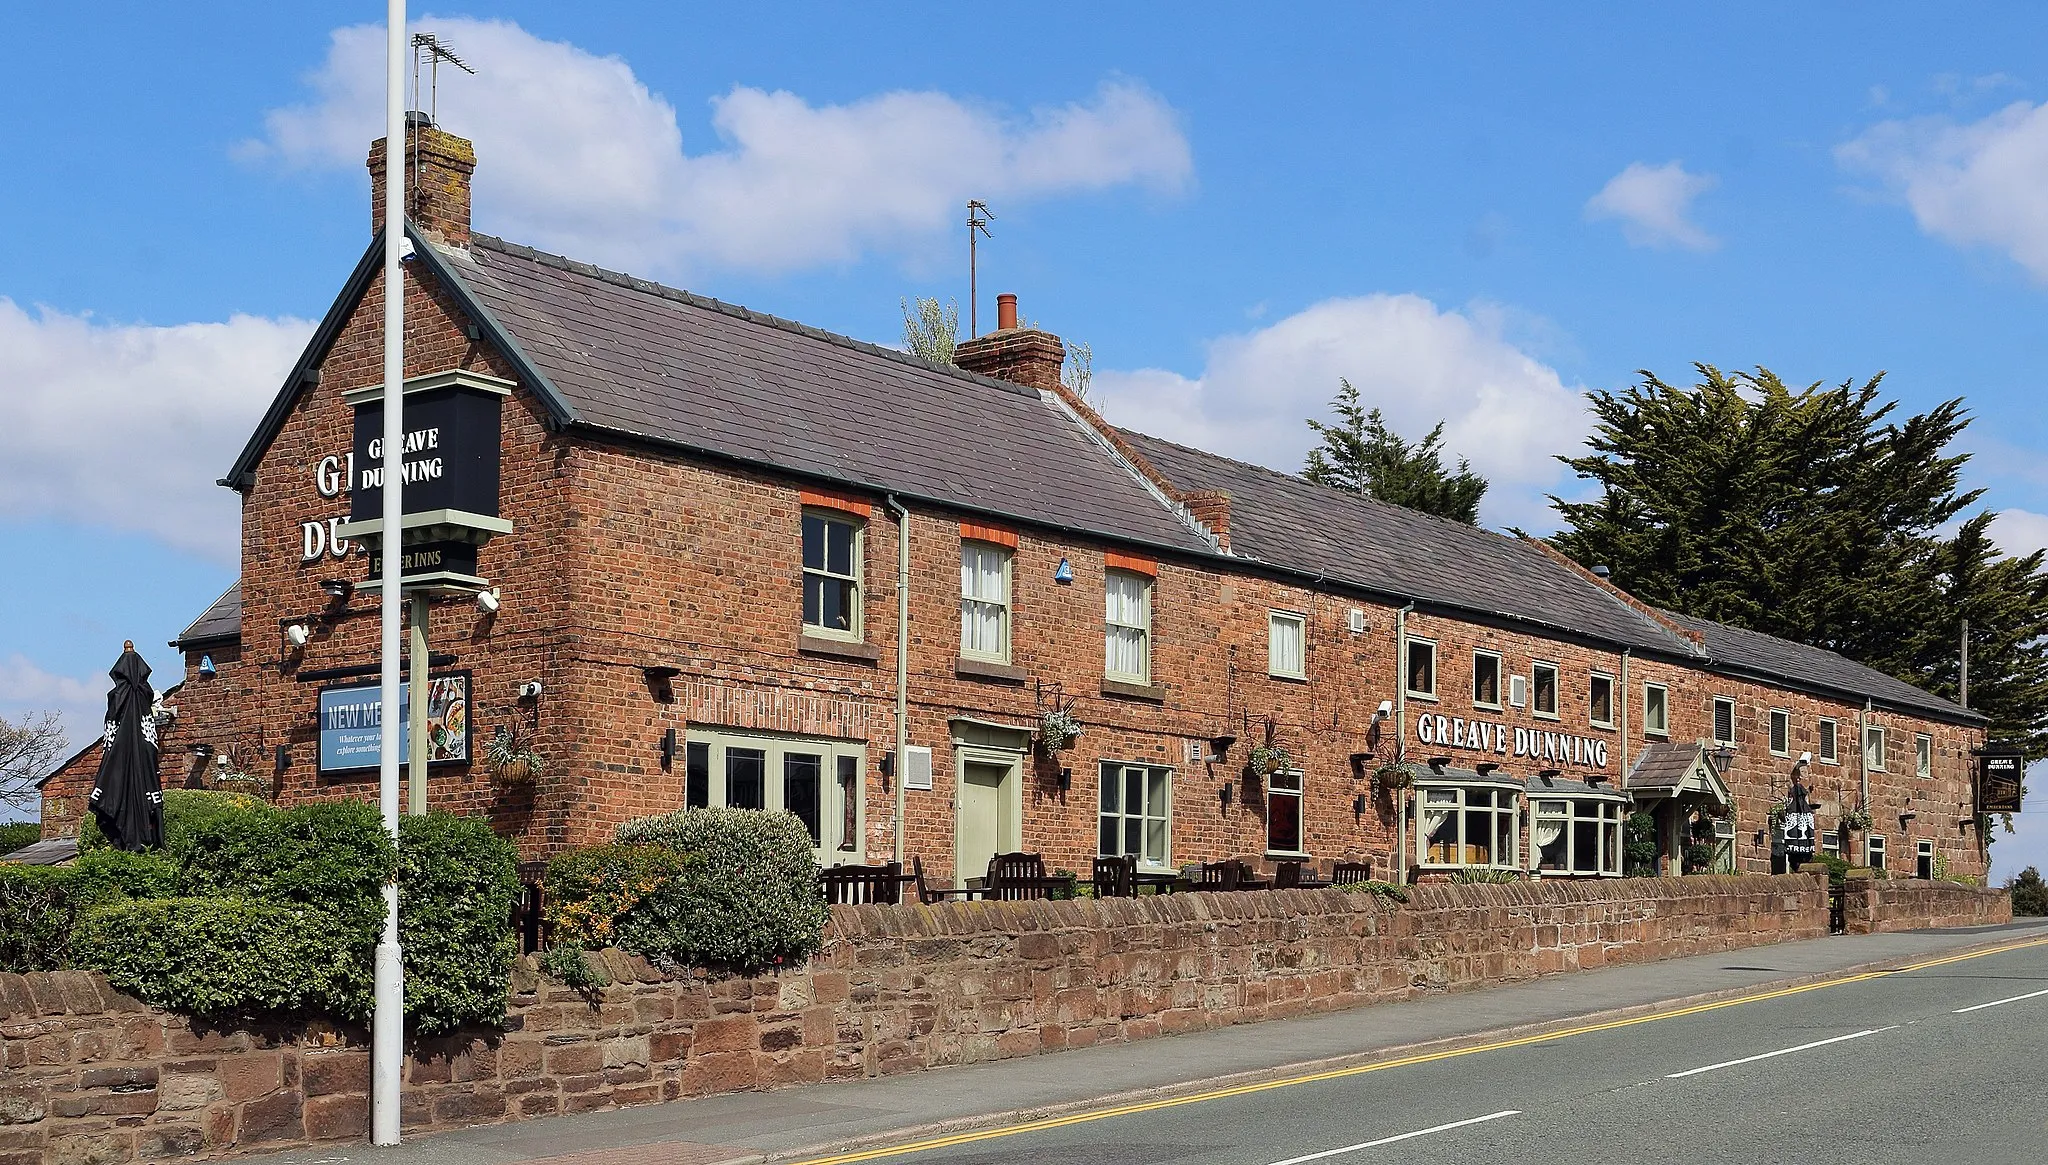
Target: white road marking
1779,1052
1996,1002
1401,1137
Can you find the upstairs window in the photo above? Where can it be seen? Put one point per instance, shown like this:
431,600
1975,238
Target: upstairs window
1600,700
1486,679
1724,720
1830,751
984,602
1543,689
1422,668
832,558
1656,710
1781,732
1127,627
1873,747
1923,755
1287,645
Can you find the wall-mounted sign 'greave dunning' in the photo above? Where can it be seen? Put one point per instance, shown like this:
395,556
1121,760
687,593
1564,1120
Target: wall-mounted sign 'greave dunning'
1561,749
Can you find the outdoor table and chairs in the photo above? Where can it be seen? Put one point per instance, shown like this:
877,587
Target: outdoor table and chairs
1016,877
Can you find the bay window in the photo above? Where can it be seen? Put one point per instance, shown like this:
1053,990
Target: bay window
816,780
1465,825
1577,836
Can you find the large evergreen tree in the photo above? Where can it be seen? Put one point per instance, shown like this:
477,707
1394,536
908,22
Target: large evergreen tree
1361,454
1817,516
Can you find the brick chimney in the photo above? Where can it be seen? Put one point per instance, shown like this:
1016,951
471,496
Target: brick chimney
438,170
1211,507
1024,356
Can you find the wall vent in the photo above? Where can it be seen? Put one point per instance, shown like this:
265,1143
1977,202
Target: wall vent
1358,620
1518,691
917,768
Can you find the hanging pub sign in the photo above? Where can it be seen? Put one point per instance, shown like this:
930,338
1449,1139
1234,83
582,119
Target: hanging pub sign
451,457
2000,782
351,725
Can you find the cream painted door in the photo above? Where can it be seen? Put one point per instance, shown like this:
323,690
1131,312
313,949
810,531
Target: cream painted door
987,823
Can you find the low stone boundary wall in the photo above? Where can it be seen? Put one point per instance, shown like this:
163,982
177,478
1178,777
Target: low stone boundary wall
1880,905
93,1077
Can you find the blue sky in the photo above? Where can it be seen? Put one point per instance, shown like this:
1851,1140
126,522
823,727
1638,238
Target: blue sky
1475,213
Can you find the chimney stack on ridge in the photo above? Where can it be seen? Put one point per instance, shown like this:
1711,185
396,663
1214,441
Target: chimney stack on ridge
1024,356
437,178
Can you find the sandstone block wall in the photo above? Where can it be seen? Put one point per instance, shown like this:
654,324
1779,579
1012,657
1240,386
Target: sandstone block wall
1877,906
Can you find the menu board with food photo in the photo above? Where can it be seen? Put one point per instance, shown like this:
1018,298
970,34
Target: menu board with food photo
351,724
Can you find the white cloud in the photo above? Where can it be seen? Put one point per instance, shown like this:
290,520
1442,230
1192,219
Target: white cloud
576,154
127,426
1984,183
28,690
1506,411
2019,532
1654,206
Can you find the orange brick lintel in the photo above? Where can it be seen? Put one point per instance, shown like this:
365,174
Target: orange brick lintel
837,501
1135,563
995,534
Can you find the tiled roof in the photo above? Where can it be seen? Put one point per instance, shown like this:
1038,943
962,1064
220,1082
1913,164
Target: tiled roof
221,621
639,359
50,851
1663,765
1288,521
1768,655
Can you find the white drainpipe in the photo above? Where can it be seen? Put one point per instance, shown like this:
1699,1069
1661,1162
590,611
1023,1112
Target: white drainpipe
902,659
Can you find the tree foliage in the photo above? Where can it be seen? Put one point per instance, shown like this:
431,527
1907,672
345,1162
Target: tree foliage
1819,516
1361,454
2029,892
931,329
29,748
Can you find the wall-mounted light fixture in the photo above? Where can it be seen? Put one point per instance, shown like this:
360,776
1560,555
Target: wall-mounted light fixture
338,589
296,635
1219,746
668,750
1385,710
489,601
1438,764
1358,760
1358,805
1066,779
202,751
1547,776
1484,767
283,760
661,682
530,690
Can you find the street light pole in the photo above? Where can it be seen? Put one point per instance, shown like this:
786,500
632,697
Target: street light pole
388,1024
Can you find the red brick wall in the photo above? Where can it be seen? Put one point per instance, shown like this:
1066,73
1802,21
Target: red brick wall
92,1075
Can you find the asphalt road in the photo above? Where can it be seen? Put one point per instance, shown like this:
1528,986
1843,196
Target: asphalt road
1940,1062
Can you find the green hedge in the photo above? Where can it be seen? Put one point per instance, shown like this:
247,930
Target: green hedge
219,956
588,891
331,854
40,906
16,834
747,899
183,810
457,881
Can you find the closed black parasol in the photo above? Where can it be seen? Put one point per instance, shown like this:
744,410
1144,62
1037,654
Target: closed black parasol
127,799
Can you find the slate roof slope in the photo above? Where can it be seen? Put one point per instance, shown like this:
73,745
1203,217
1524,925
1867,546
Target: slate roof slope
1289,521
636,358
223,620
1663,764
1769,655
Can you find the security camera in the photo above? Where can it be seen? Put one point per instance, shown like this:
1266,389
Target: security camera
530,690
487,601
1385,710
296,634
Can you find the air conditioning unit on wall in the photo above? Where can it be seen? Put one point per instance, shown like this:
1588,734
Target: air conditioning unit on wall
1518,691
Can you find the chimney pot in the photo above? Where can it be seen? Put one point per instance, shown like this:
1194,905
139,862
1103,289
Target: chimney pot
1006,312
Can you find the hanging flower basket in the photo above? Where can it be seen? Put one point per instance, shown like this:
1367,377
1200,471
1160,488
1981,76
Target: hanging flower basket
1270,758
512,762
1856,820
1393,777
1057,730
1777,814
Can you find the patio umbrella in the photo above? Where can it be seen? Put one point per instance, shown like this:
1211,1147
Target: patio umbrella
127,799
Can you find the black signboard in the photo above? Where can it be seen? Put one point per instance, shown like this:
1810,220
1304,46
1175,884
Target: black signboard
428,558
451,452
2000,782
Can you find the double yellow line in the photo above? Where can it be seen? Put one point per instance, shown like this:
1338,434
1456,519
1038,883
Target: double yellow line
1058,1122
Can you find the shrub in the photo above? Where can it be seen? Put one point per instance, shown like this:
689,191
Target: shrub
1479,875
39,908
587,891
2029,893
151,874
183,810
1639,846
574,968
748,900
16,834
331,854
1837,868
218,956
1388,890
457,881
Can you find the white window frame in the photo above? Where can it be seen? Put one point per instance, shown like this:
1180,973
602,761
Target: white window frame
1923,756
1461,810
717,744
1605,815
1874,843
1408,647
1780,716
1112,625
1831,842
972,571
1594,679
1724,844
1156,784
1734,729
1663,719
1287,783
1923,851
1827,744
1499,671
857,553
1276,666
1874,732
1536,668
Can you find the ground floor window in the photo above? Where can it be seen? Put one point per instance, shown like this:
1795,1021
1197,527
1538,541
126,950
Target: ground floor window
1577,836
1467,826
817,780
1923,865
1133,812
1283,813
1873,851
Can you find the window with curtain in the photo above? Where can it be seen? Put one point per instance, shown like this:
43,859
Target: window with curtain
1127,626
985,601
1543,689
1656,710
831,575
1286,644
1283,813
1134,810
1873,747
1577,836
1923,755
1486,679
1467,826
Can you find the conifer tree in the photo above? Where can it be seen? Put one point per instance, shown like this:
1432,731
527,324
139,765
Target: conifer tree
1361,454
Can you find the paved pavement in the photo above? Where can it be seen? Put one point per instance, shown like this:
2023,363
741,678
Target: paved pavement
1569,1094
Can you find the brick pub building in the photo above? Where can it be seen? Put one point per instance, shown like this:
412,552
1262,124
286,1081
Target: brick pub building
732,534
